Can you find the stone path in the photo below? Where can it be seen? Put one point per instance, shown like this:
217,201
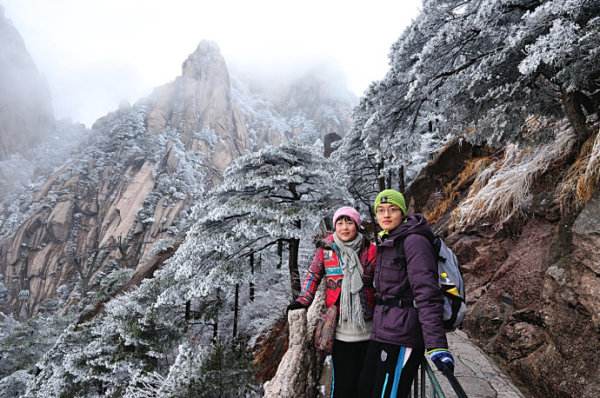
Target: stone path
476,372
296,374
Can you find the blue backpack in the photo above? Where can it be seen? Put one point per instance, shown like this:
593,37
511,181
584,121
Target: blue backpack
450,281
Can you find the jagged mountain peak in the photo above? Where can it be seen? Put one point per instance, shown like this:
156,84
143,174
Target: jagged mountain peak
198,105
206,58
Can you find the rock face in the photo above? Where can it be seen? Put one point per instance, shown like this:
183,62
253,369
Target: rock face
298,371
532,275
126,196
26,114
198,104
89,221
586,246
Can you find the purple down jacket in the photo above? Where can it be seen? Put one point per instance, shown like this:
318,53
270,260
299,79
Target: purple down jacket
406,325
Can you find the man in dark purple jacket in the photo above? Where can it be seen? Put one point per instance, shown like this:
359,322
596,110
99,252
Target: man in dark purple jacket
408,313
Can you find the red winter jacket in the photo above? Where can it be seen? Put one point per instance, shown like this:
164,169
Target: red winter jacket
326,262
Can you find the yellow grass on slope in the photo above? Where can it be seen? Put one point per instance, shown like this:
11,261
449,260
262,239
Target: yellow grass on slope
452,189
583,177
502,190
591,177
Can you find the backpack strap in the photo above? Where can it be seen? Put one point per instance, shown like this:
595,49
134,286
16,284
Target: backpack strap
437,244
399,246
449,323
403,300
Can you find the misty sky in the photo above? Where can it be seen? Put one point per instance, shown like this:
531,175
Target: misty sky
95,54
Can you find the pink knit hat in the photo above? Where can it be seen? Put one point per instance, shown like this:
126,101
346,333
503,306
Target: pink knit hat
349,212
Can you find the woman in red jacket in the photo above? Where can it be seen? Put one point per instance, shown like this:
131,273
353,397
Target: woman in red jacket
346,259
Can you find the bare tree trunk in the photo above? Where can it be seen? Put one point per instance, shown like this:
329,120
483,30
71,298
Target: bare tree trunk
188,308
294,245
280,253
236,305
401,185
380,176
216,324
251,293
572,105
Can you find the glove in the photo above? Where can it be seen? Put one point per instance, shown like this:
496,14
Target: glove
294,305
443,360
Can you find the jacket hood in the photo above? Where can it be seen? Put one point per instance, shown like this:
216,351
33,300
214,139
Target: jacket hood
412,224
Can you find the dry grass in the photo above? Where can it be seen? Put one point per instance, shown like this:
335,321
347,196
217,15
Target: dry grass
591,177
452,190
502,190
583,177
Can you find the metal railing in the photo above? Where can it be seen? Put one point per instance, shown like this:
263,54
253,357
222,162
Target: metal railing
433,389
420,385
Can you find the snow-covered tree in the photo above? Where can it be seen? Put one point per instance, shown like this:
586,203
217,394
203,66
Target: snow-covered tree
274,195
101,357
478,69
490,64
145,343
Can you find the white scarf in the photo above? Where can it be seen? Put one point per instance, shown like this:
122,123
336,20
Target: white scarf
350,306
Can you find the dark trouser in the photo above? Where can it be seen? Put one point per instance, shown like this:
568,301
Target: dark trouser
348,360
383,375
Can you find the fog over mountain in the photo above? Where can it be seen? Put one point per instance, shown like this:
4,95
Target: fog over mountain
32,142
153,253
26,115
98,54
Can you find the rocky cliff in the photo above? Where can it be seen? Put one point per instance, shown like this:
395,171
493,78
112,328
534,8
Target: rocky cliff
524,223
26,114
489,114
126,192
198,105
80,234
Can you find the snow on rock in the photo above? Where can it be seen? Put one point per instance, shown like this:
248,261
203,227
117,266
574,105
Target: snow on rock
298,371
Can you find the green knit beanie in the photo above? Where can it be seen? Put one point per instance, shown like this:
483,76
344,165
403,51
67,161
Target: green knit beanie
391,196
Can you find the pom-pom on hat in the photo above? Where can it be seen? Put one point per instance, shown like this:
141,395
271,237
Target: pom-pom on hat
393,197
349,212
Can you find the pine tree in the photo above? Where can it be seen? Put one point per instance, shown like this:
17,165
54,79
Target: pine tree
274,195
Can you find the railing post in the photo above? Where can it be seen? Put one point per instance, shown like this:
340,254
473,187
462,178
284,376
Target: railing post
416,385
435,385
423,380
